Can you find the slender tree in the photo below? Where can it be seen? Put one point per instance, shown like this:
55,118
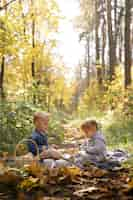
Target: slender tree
87,63
103,37
128,43
97,41
6,5
2,72
33,39
111,41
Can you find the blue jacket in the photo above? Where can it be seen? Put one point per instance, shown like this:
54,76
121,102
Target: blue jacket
40,139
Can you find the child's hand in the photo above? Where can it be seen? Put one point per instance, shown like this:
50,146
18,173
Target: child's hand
45,154
51,153
55,154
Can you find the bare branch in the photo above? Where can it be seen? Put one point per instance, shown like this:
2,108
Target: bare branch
6,5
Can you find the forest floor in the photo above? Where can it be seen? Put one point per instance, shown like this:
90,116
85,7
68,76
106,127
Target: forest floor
35,182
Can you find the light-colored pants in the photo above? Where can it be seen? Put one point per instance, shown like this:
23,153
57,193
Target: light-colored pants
51,163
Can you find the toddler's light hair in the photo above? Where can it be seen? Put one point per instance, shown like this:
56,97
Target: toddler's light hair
89,124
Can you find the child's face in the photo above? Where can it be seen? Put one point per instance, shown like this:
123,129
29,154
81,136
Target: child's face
90,131
42,124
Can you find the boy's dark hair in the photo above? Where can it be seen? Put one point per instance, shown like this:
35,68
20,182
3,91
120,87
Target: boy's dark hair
89,123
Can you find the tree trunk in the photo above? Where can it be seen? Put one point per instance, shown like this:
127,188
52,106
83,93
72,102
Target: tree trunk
2,72
33,46
97,22
5,6
112,52
103,48
23,17
119,33
115,31
120,45
33,56
103,29
127,43
88,61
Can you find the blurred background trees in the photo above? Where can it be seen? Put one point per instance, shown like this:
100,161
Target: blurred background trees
105,28
33,76
109,24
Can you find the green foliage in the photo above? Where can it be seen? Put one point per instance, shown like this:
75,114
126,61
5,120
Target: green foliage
91,102
114,107
56,129
6,36
16,124
118,130
128,103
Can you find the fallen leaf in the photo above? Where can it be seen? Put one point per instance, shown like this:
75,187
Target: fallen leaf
81,193
35,169
2,168
10,178
99,173
28,184
128,187
71,172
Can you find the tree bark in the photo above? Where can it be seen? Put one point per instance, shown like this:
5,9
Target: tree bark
33,46
2,72
23,17
103,47
6,5
103,29
115,31
127,43
33,56
88,61
111,42
120,44
97,22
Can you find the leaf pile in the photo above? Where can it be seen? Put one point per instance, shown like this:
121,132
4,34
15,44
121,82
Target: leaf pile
69,182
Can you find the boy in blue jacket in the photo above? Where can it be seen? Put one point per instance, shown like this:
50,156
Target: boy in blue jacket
39,135
48,155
